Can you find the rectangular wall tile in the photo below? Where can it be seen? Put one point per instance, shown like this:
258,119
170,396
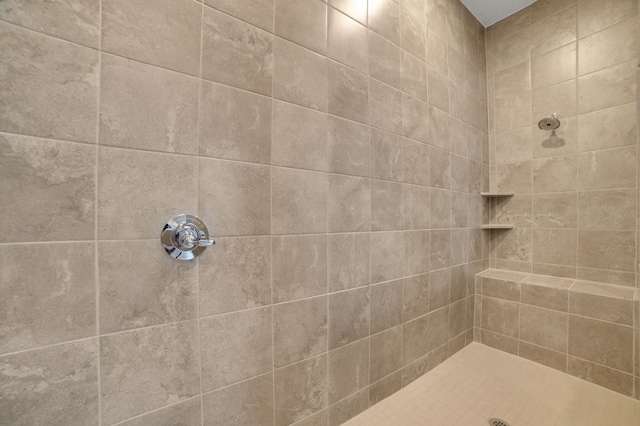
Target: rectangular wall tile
145,369
37,67
164,33
34,385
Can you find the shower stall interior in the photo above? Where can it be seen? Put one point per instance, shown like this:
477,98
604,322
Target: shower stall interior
276,212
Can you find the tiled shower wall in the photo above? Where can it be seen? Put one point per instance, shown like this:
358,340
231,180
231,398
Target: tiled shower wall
336,152
574,210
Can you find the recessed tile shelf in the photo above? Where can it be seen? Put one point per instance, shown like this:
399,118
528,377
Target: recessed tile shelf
496,226
497,194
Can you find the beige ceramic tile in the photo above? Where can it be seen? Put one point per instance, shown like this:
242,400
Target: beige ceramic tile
437,52
249,402
620,129
239,131
601,307
601,342
412,35
387,156
415,118
165,33
349,204
348,408
386,353
240,207
512,49
610,209
606,249
554,31
416,207
387,211
612,86
384,19
555,246
514,146
559,99
600,375
544,356
514,177
146,107
235,347
299,137
299,330
592,19
348,370
188,413
355,9
386,305
299,75
258,13
347,41
303,22
348,147
606,169
545,297
146,369
440,168
554,67
348,316
387,250
417,253
299,266
439,129
556,174
348,261
37,67
299,201
415,339
52,288
440,208
416,297
77,20
436,14
236,275
132,297
385,106
300,390
50,185
132,188
414,76
384,60
438,90
348,93
595,51
247,50
544,327
416,163
35,384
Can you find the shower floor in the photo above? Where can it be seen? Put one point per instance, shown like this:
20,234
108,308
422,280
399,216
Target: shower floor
480,382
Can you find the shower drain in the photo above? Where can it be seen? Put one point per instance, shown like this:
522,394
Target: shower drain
498,422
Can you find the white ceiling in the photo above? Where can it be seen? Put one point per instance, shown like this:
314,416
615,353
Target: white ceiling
488,12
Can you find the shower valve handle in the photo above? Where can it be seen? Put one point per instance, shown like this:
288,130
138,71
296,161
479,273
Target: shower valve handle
185,237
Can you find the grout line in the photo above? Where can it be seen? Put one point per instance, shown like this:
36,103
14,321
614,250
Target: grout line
96,217
199,207
273,345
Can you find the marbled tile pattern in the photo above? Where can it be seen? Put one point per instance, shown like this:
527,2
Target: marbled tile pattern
579,327
575,206
336,150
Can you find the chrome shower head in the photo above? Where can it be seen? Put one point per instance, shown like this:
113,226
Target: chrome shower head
551,123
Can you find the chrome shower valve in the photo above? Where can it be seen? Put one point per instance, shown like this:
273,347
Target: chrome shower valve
185,237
